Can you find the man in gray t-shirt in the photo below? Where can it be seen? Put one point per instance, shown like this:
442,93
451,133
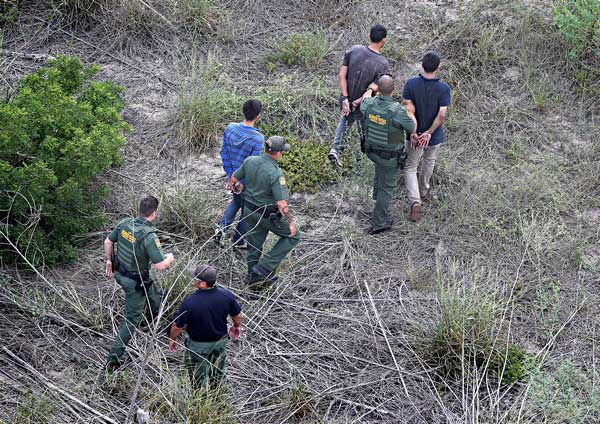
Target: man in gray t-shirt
361,67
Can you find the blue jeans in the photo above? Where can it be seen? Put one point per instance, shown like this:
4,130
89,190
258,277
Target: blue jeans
341,132
229,216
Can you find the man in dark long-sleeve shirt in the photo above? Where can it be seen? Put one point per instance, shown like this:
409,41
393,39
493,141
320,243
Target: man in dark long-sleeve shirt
240,140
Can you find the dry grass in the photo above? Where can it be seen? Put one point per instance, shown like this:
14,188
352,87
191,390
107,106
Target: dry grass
340,338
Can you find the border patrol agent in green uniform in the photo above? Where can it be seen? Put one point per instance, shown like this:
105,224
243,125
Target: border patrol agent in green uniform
265,209
136,247
385,124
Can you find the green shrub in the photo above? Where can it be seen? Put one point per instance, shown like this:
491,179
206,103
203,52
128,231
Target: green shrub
306,167
307,49
58,132
567,395
207,103
579,23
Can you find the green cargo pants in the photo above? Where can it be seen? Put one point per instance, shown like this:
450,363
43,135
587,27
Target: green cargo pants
205,362
136,301
384,184
258,229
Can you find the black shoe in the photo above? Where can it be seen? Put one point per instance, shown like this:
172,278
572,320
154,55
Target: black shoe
264,273
382,229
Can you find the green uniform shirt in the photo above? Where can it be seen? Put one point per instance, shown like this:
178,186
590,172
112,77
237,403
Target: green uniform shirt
385,120
265,183
137,244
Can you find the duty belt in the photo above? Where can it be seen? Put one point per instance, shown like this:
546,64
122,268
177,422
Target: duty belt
142,279
384,154
266,209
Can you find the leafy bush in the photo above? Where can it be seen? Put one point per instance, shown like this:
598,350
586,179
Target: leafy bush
306,167
58,132
567,395
579,22
206,104
307,49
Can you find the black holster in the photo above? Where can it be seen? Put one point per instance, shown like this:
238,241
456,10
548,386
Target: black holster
402,157
142,279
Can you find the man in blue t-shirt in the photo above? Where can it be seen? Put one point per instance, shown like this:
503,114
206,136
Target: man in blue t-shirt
240,140
428,98
203,314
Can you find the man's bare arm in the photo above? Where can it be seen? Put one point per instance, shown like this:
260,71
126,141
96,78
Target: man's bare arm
234,185
237,320
410,109
108,250
164,264
175,332
284,209
437,122
342,78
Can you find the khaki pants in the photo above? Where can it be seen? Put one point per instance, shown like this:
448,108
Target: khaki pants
419,187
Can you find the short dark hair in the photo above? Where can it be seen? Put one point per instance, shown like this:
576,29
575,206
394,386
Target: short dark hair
378,33
431,61
251,109
148,205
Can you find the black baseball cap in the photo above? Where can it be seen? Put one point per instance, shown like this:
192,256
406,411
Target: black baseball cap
204,273
276,143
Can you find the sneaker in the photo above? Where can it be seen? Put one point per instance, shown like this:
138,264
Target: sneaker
334,158
382,229
219,237
415,212
264,273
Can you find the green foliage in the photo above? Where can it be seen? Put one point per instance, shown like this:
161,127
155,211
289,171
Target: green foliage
306,167
58,132
567,395
307,49
579,23
206,104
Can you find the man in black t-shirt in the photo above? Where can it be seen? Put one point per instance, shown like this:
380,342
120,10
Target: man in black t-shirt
203,314
362,66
